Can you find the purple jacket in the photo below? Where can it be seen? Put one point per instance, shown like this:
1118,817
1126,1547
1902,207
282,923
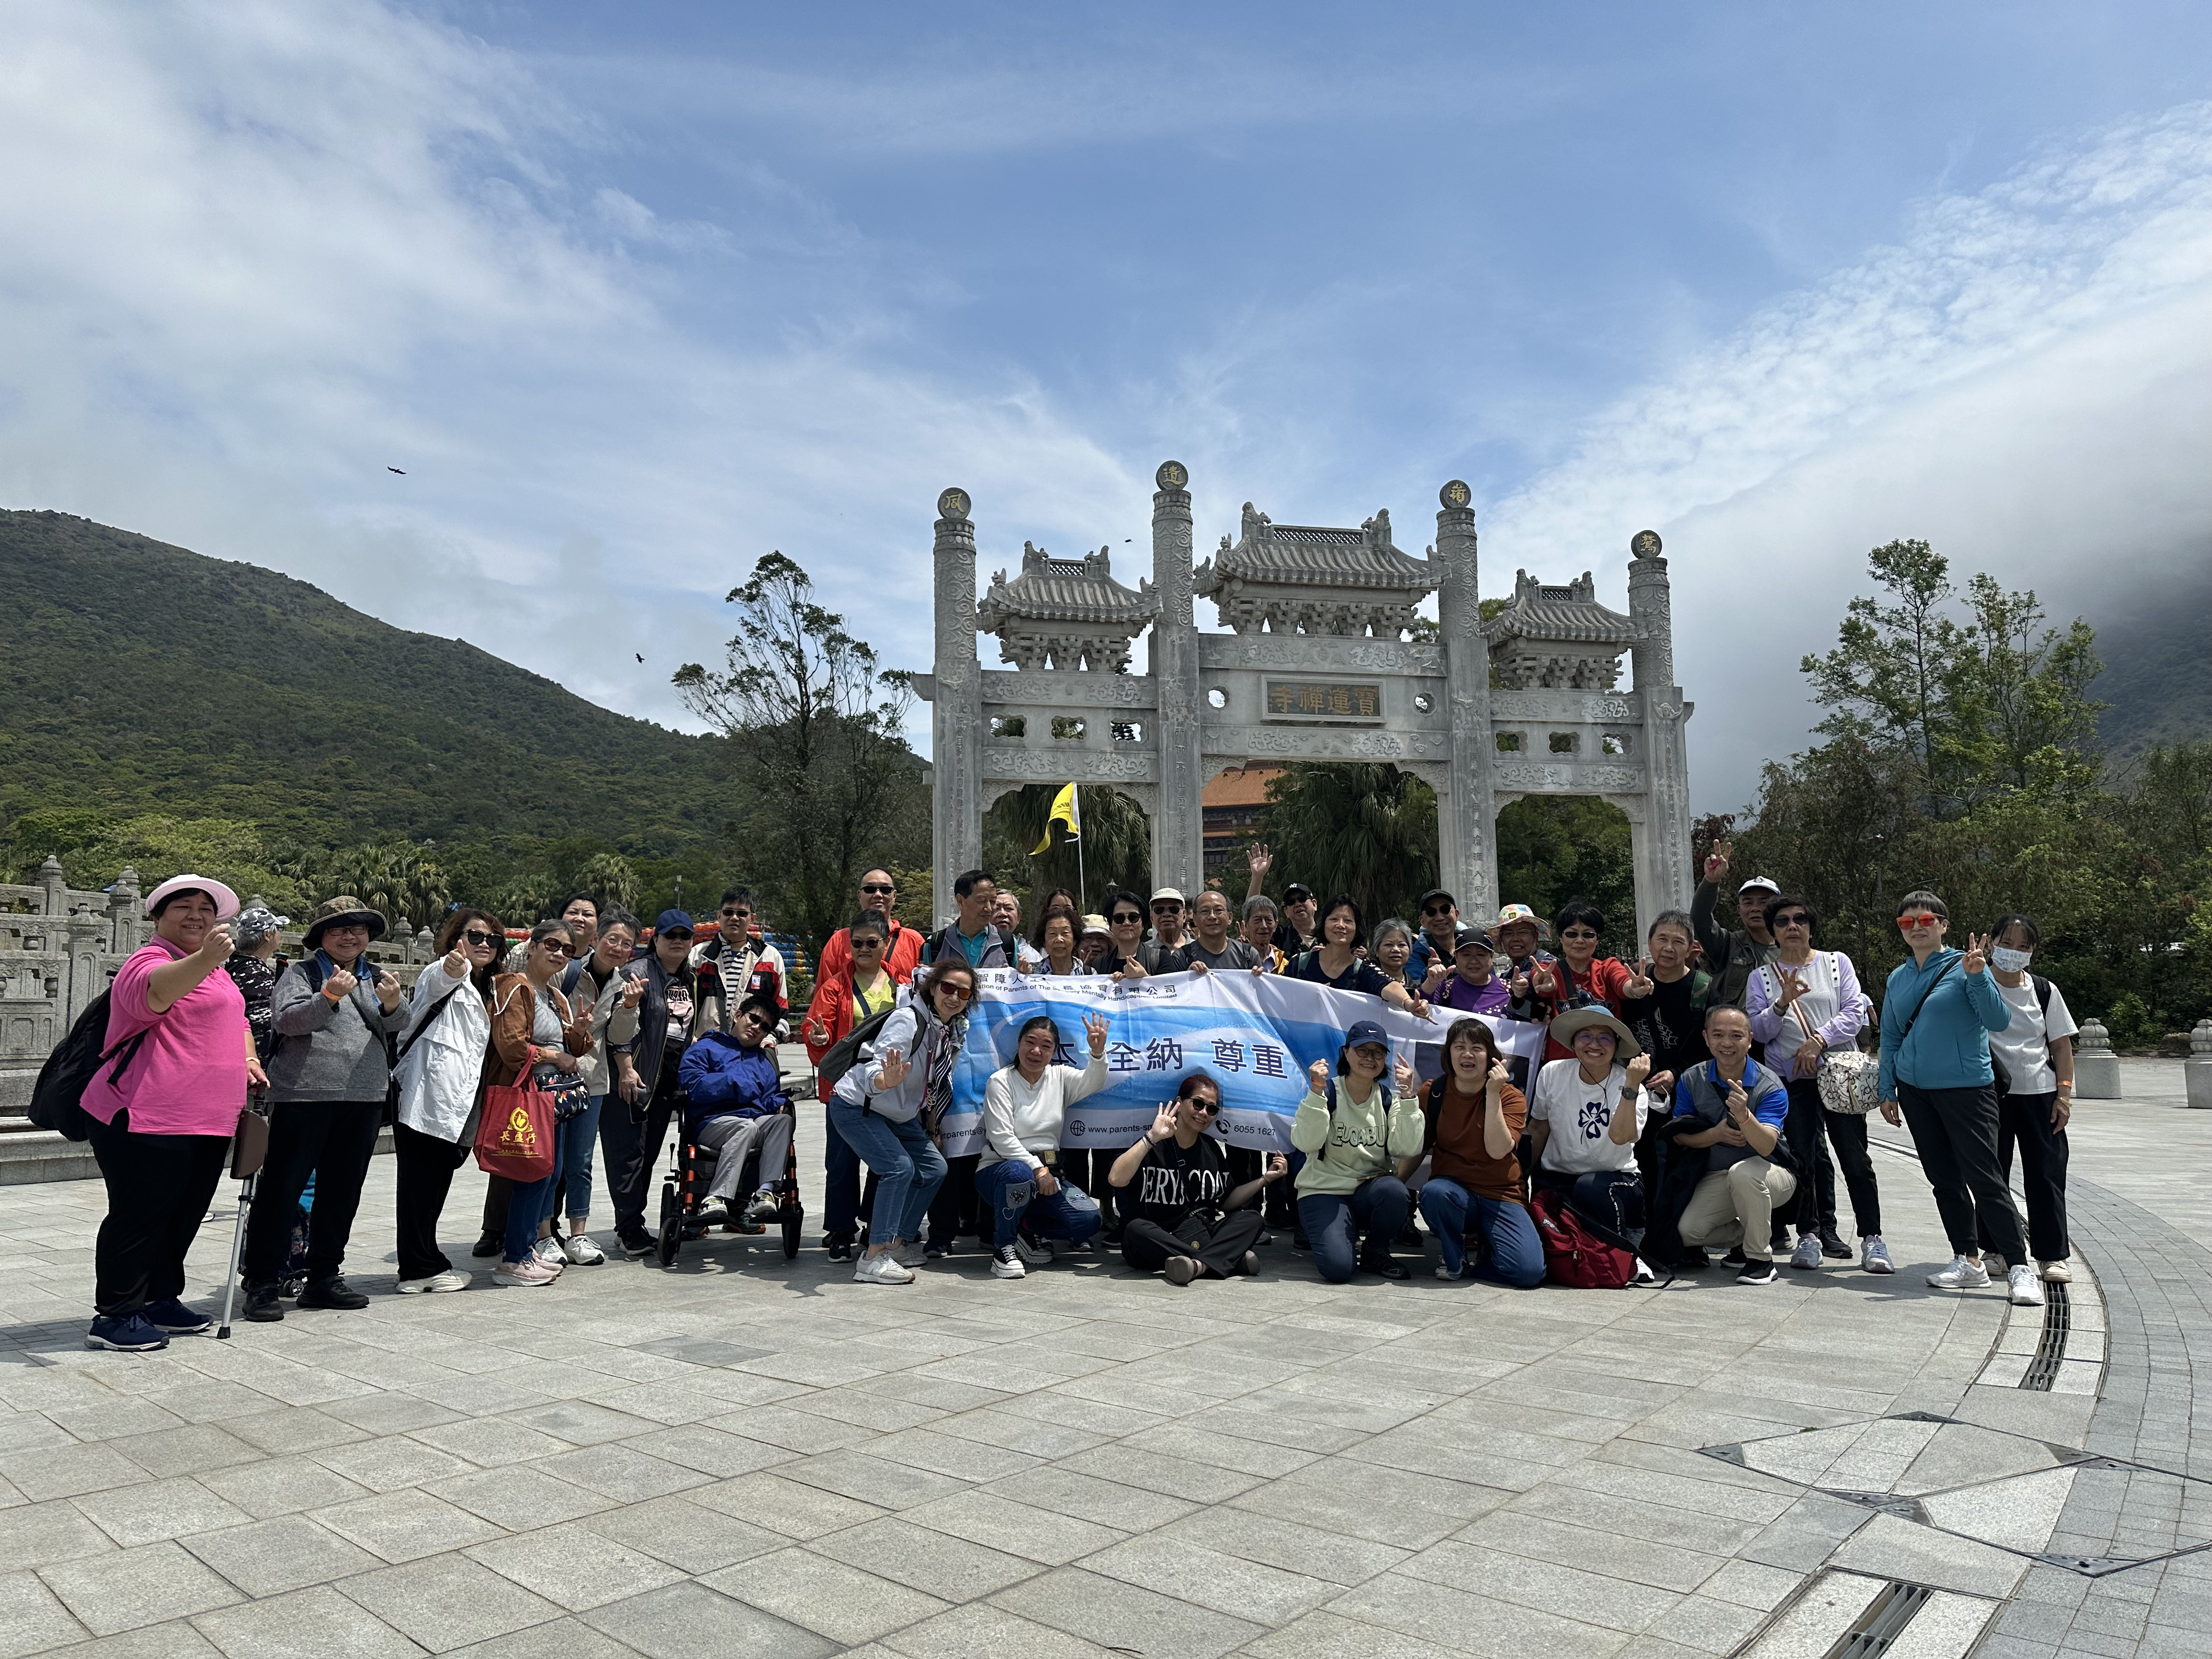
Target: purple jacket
1491,998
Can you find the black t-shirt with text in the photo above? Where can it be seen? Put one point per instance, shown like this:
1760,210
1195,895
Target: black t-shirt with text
1176,1181
1668,1023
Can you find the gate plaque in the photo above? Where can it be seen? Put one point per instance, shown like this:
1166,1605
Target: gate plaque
1356,702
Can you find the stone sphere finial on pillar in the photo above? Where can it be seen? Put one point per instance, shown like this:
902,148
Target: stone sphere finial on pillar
1644,545
1455,495
1172,475
953,503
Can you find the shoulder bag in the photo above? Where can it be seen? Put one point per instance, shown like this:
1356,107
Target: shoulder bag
514,1131
1849,1080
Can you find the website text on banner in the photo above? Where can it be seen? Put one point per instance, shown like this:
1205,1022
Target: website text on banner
1255,1033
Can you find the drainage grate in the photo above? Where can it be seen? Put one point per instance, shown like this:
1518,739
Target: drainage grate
1884,1620
2043,1370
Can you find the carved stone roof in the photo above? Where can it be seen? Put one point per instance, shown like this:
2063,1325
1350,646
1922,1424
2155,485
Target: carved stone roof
1313,556
1064,591
1567,615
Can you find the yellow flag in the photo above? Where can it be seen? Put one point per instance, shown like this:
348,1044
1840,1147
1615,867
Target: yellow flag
1064,811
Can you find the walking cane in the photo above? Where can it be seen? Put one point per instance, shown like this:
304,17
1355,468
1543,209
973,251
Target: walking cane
249,1147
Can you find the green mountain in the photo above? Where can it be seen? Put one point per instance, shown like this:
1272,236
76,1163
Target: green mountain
143,677
2158,666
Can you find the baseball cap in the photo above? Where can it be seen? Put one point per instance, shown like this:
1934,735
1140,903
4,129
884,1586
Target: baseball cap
1174,893
1436,893
1364,1031
1297,891
1761,884
674,921
1471,938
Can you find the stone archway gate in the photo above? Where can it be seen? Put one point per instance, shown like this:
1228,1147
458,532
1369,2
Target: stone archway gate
1317,667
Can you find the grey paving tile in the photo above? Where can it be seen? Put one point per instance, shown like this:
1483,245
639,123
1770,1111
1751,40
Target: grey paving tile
711,1451
309,1624
396,1412
1455,1617
796,1510
845,1603
67,1471
1366,1500
119,1415
558,1638
982,1632
937,1563
35,1535
193,1448
392,1462
1226,1583
31,1618
128,1588
155,1509
1060,1489
1591,1598
519,1497
1324,1635
176,1639
1311,1551
282,1485
1124,1616
487,1442
405,1525
581,1424
448,1601
575,1569
1639,1561
1042,1536
286,1553
689,1537
1134,1465
870,1479
685,1620
289,1429
621,1473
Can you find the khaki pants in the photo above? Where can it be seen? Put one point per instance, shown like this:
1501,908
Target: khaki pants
1736,1206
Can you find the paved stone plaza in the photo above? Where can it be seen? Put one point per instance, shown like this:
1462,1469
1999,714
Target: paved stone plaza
744,1456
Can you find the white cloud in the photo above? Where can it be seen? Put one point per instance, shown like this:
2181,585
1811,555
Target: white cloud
2021,380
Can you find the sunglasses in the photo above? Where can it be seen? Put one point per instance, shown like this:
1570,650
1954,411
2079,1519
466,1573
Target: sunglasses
1166,907
878,887
1794,919
736,915
1917,920
1210,1107
1435,910
477,936
964,993
556,947
865,943
679,935
1578,934
1128,918
754,1021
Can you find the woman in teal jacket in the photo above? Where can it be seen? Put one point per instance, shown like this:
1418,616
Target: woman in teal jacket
1937,1018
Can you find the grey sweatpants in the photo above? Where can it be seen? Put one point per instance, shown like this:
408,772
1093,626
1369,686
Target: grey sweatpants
734,1138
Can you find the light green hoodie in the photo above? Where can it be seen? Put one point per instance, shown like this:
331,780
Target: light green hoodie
1357,1145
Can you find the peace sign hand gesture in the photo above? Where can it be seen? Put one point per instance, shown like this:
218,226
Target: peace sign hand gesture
1094,1027
1716,861
1977,952
1640,982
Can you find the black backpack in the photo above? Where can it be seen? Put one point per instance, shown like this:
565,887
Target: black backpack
845,1052
57,1099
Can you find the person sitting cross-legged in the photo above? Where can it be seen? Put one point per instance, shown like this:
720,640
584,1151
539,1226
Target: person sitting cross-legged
1474,1116
1353,1129
1733,1109
1024,1202
1584,1117
734,1099
1184,1221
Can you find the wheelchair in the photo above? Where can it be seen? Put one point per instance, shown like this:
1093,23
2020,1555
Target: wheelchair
691,1171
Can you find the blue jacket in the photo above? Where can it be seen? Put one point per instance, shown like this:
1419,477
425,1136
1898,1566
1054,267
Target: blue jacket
1948,1047
720,1079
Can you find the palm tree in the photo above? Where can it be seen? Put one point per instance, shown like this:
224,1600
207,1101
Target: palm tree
1361,828
1117,842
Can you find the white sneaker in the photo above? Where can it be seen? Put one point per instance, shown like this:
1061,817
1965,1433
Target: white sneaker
1873,1255
1961,1275
908,1255
1644,1274
1006,1262
583,1252
2025,1288
451,1280
548,1250
2056,1272
881,1270
1034,1255
1807,1255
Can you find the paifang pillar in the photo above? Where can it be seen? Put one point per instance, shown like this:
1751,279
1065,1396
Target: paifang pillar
1178,817
1467,856
1663,875
957,707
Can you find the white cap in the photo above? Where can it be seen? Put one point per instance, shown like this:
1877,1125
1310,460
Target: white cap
1766,883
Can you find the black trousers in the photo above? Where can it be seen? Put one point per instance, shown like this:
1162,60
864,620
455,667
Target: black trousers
158,1189
1146,1245
953,1213
331,1140
1955,1133
631,1149
2024,1120
425,1176
1810,1125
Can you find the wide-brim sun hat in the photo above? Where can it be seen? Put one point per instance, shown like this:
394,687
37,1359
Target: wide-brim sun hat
226,902
1626,1046
1096,924
345,911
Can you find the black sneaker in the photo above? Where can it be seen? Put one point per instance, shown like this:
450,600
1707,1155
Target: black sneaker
333,1293
489,1245
840,1250
1758,1273
262,1305
1833,1246
1734,1258
1694,1260
175,1319
1383,1267
130,1332
636,1241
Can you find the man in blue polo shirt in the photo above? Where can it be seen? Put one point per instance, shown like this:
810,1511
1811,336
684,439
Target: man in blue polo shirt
1740,1106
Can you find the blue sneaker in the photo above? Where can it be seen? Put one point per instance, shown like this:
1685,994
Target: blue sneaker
126,1334
174,1318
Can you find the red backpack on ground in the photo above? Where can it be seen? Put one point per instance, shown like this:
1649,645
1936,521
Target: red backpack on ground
1575,1256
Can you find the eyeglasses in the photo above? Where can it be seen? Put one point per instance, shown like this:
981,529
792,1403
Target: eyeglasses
1917,920
1210,1107
1166,907
736,915
555,946
1434,910
963,992
878,887
1794,919
477,936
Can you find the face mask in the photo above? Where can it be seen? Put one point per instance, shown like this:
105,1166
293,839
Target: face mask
2009,961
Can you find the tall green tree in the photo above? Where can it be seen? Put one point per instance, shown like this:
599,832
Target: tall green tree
816,727
1116,849
1361,828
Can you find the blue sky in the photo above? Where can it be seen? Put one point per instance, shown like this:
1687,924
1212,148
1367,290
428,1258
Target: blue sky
637,293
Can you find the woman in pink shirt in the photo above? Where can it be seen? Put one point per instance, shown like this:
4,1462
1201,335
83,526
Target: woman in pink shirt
164,1105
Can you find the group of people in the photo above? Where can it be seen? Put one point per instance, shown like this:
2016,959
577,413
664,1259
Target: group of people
1688,1098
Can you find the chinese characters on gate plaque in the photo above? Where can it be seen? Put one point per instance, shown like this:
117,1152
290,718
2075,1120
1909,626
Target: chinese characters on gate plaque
1325,700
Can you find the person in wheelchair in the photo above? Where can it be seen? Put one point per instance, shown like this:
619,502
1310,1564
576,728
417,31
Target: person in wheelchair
735,1103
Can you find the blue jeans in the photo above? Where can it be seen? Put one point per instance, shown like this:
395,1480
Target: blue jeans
573,1146
1377,1206
908,1165
1012,1204
525,1208
1516,1254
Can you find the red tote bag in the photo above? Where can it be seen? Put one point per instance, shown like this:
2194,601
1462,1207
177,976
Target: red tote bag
515,1136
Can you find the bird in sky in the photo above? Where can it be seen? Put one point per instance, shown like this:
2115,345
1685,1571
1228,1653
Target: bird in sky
393,469
639,655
